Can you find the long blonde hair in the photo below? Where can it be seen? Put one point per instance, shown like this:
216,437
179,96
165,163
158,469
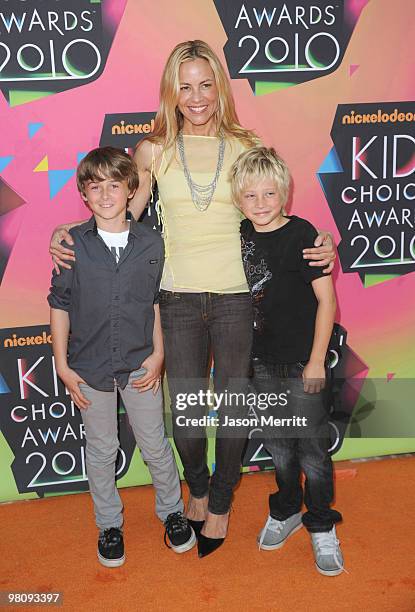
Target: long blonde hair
169,120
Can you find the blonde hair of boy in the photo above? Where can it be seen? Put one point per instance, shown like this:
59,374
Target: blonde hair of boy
256,164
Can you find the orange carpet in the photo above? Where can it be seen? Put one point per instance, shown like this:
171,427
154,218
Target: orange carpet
49,545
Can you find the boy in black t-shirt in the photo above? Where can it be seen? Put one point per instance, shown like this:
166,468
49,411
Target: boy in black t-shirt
294,308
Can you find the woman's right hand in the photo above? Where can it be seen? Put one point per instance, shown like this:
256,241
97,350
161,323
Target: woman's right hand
61,254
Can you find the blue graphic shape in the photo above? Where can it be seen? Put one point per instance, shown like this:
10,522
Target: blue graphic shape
58,179
80,157
34,128
321,184
331,164
3,385
5,161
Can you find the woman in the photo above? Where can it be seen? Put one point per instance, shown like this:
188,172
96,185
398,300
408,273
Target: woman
205,305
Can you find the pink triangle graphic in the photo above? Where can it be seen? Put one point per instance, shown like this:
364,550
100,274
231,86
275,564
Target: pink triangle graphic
389,376
352,69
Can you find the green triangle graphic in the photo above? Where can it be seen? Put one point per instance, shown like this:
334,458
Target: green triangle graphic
16,96
376,279
265,87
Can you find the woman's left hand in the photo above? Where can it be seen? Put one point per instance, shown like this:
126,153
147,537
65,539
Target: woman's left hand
152,378
324,252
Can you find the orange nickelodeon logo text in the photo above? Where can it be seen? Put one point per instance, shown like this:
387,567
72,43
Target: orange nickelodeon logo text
15,340
378,117
132,128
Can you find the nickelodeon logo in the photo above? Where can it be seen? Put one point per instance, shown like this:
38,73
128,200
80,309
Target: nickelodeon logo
377,117
125,130
133,128
15,340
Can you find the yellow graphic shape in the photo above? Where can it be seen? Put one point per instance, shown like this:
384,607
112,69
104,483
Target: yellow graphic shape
43,166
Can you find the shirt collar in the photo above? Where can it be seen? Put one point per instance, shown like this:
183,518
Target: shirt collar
91,226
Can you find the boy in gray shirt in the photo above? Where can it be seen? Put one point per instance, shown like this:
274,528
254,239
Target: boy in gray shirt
106,308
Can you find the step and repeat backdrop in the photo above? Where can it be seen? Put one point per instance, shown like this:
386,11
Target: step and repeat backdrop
329,84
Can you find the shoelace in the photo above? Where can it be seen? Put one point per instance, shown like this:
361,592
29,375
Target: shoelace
328,544
174,523
273,525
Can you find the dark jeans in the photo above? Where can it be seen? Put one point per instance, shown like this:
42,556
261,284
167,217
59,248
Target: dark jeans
194,326
292,455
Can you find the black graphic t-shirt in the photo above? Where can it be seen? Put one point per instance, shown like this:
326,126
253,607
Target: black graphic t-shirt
280,279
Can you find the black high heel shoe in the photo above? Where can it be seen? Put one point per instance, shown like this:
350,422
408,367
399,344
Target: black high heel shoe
197,526
206,546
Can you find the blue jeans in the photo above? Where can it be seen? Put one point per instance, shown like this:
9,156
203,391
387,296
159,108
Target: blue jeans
194,326
292,455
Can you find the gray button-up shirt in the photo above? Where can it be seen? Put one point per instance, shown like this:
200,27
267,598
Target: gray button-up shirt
110,305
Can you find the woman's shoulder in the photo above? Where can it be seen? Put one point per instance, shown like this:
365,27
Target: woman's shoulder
240,145
236,147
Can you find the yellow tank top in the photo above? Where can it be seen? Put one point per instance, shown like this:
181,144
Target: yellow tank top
203,251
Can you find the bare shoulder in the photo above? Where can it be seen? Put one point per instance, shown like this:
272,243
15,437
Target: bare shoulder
144,154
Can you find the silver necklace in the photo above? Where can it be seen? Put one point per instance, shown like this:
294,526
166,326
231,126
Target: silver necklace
201,194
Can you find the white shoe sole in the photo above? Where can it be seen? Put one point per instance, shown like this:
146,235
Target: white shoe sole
280,544
111,562
335,572
186,546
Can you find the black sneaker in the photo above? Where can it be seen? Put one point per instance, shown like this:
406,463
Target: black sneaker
180,534
111,547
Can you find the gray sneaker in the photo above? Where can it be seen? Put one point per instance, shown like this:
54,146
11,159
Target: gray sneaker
276,532
327,553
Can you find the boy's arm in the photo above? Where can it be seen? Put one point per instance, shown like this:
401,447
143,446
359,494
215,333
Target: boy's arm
59,299
154,362
314,371
59,326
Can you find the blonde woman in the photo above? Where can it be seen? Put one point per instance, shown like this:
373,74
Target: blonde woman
205,305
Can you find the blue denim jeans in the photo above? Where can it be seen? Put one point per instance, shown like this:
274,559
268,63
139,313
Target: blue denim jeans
196,325
293,455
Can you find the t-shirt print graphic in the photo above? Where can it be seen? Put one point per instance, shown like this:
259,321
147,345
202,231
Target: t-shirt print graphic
257,275
117,252
115,241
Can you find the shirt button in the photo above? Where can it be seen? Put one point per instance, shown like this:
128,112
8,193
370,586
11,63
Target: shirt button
114,349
